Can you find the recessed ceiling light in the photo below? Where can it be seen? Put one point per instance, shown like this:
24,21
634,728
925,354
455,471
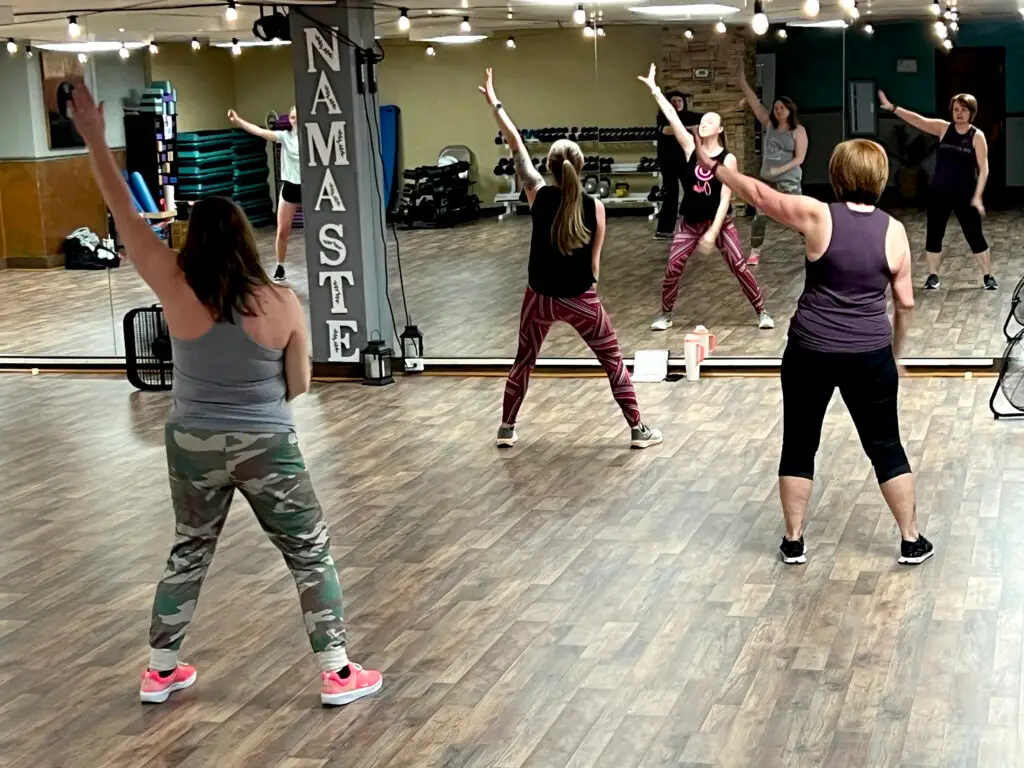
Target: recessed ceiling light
89,47
449,39
712,10
830,24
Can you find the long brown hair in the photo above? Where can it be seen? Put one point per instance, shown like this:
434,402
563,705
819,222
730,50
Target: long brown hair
568,232
220,259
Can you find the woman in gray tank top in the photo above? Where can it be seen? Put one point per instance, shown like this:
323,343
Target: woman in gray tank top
241,354
783,151
840,336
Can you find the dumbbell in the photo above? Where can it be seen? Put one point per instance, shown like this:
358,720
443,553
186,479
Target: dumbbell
621,189
604,187
590,185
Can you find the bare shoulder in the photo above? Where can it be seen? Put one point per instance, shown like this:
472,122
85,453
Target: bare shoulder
598,204
730,161
979,135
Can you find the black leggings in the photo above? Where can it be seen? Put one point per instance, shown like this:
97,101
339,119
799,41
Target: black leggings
867,381
940,205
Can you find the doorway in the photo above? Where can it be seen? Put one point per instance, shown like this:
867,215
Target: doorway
981,72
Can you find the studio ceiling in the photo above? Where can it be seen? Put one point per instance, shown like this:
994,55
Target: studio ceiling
47,20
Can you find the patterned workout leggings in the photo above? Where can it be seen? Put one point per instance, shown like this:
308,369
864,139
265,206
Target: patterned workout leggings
684,243
587,316
205,468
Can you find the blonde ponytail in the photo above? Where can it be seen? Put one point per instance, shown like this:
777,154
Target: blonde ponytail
568,232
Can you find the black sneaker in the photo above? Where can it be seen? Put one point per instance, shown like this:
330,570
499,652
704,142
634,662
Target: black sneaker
793,551
932,282
662,235
990,283
279,273
914,552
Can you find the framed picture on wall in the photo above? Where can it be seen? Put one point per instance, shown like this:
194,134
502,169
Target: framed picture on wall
57,68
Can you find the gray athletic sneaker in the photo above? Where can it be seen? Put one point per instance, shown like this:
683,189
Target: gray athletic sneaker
643,436
507,436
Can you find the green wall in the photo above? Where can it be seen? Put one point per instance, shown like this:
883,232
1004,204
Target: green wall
810,62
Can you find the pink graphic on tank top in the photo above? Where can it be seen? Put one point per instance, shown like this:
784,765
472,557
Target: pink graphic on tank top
704,177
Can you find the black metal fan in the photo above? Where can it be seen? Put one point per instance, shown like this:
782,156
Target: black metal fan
1009,388
147,345
1016,309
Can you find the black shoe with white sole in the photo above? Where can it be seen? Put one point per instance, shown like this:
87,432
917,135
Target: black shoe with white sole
931,282
914,552
279,276
793,552
990,283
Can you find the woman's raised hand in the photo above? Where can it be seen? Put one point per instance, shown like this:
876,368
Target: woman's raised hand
883,100
649,80
487,89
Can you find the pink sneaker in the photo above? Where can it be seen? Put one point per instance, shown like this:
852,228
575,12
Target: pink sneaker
361,682
156,690
754,260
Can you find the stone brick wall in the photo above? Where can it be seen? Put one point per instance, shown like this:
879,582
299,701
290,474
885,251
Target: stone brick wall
726,55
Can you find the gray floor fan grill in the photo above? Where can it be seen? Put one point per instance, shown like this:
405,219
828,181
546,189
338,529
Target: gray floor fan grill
147,352
1007,400
1016,313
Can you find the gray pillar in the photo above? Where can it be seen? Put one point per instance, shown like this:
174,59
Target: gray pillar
342,181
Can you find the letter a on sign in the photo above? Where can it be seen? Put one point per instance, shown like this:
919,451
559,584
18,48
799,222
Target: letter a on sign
325,95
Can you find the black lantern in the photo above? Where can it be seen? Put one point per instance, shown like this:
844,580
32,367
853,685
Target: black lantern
412,349
377,364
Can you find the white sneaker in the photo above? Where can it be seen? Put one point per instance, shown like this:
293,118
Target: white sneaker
663,323
765,322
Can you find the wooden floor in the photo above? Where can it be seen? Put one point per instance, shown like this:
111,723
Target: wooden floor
464,289
567,603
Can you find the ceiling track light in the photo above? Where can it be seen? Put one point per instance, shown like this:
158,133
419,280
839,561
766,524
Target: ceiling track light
195,43
430,50
82,58
464,26
720,27
28,51
588,30
935,8
579,16
231,13
510,43
855,11
403,19
868,29
811,8
600,30
236,49
123,52
12,47
688,34
782,34
760,21
153,50
73,28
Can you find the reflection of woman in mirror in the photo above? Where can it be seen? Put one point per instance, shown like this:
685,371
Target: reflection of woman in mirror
565,261
241,355
670,159
705,214
291,181
840,335
783,151
961,170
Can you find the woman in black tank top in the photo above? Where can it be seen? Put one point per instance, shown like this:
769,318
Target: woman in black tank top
705,215
565,259
961,171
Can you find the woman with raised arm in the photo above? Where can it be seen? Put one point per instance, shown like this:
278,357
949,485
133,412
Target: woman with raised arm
564,265
705,213
961,171
291,181
840,335
783,151
241,355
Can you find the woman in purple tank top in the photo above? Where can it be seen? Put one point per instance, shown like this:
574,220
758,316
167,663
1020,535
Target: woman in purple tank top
840,335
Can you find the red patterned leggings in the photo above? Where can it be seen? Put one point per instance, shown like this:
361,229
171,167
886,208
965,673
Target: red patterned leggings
587,316
684,243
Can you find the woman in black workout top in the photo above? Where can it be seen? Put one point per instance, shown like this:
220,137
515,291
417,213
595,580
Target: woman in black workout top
961,170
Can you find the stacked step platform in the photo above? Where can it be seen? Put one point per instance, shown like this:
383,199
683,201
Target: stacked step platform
230,163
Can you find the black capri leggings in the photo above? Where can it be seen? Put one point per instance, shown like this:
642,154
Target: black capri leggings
940,205
867,381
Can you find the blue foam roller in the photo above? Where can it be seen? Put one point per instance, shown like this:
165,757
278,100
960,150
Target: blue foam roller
141,192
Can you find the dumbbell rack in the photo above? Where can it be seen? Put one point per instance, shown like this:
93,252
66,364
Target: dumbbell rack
511,200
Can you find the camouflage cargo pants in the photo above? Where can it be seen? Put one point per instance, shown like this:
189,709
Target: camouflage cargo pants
760,224
205,468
